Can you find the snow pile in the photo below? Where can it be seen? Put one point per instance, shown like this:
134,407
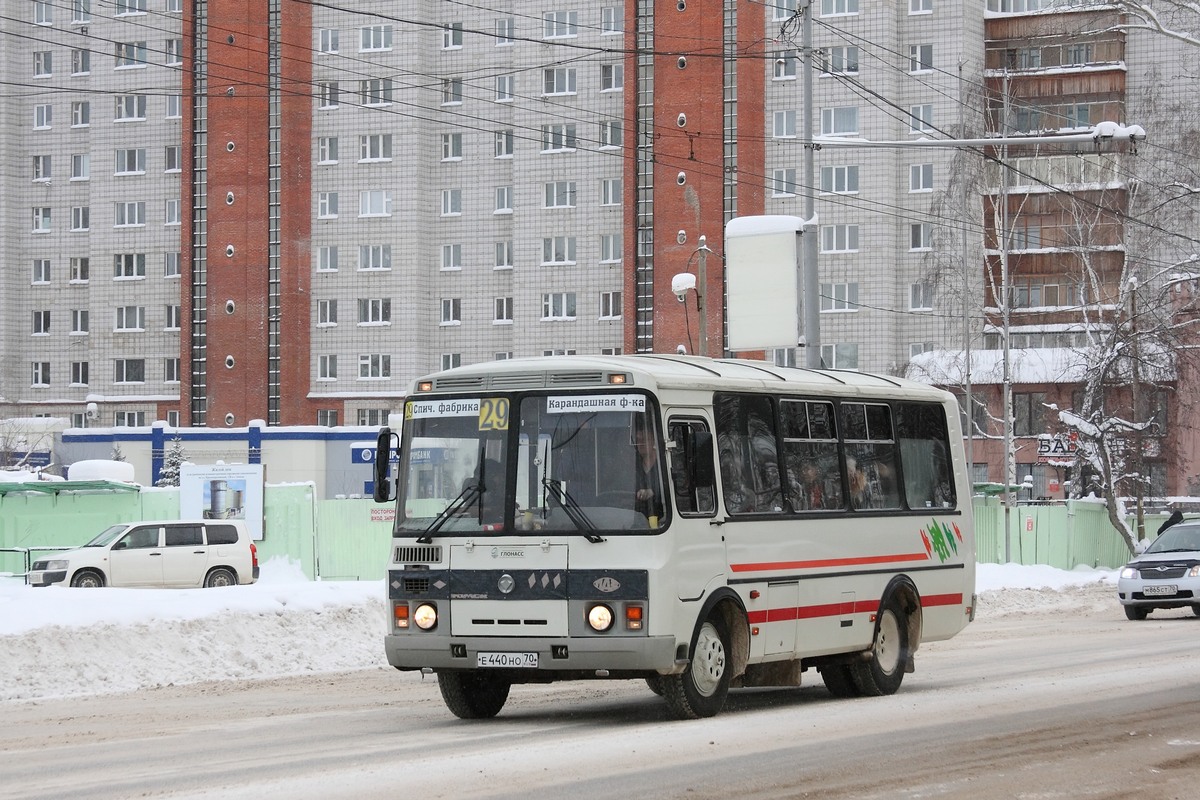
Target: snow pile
60,642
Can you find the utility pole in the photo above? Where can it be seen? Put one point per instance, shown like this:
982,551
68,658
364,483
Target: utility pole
702,295
1138,416
1006,396
810,282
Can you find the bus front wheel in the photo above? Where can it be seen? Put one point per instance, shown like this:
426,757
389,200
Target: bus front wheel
882,673
700,690
473,695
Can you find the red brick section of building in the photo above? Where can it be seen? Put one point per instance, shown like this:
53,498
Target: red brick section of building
689,79
238,125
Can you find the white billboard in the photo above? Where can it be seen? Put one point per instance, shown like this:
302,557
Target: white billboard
761,279
223,491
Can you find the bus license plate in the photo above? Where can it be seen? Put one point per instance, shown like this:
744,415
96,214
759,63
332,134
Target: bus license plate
1159,591
518,660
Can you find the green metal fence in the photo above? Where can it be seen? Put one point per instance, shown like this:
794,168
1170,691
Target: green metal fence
349,539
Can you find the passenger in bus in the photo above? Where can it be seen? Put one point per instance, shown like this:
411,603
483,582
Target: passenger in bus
648,478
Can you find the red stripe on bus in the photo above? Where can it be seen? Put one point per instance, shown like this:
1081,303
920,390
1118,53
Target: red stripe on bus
839,609
830,562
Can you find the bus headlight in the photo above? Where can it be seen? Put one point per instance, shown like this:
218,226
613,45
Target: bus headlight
600,617
425,617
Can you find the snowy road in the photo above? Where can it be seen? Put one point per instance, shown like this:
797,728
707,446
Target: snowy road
1050,701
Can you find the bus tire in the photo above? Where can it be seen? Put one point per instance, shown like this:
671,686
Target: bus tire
883,672
839,681
655,684
700,690
473,695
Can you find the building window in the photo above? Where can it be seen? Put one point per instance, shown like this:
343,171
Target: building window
41,270
920,177
130,54
839,121
839,238
451,311
129,370
130,108
129,7
327,258
921,119
81,62
375,91
558,137
171,369
611,133
451,147
327,94
130,419
920,58
783,182
452,36
43,116
839,297
840,60
374,257
41,322
129,214
612,77
560,194
451,202
840,179
920,236
130,318
171,265
327,40
174,315
610,192
505,30
451,360
327,417
505,356
785,65
917,348
374,38
41,219
327,368
374,311
174,106
327,313
561,351
79,269
504,88
920,297
839,356
611,21
504,255
129,265
832,8
452,93
172,155
81,10
374,366
560,24
373,147
503,313
558,80
81,218
610,305
558,250
610,248
451,257
504,143
375,203
79,373
81,114
327,149
43,13
171,212
131,161
43,64
785,125
173,52
42,169
558,306
504,200
372,417
920,6
41,373
1028,410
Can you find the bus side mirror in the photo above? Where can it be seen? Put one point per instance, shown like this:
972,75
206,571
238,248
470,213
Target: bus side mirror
384,490
698,452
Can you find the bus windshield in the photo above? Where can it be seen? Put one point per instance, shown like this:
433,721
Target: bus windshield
585,463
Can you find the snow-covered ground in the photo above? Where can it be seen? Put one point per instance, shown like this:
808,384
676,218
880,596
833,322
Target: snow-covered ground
61,642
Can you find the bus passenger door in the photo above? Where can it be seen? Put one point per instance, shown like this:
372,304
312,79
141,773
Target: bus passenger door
700,544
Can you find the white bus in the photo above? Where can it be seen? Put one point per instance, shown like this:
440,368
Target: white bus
700,524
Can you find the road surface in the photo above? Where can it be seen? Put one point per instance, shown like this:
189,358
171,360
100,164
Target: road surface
1039,704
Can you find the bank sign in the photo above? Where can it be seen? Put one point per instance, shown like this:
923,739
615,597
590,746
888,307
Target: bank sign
1059,447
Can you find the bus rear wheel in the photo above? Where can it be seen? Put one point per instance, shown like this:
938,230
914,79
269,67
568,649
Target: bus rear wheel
473,695
839,681
883,672
701,689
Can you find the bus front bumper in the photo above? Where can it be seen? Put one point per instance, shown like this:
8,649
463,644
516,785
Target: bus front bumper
539,658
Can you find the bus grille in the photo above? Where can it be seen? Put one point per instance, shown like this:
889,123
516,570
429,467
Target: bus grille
417,554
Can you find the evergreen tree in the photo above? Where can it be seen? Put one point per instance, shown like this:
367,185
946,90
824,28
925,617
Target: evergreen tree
169,474
117,455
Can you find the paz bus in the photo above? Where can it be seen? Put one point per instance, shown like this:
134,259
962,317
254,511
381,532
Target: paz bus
696,523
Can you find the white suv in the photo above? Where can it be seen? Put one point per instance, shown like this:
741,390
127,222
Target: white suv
175,553
1166,575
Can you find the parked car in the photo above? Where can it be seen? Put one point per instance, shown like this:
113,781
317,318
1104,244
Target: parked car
1165,575
173,553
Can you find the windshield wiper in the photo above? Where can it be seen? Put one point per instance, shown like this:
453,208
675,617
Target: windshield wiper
574,511
467,496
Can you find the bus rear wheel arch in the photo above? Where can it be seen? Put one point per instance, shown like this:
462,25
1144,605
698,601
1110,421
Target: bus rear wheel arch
897,632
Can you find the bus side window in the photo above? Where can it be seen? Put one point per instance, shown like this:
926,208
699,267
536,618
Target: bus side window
870,455
750,478
692,474
925,456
